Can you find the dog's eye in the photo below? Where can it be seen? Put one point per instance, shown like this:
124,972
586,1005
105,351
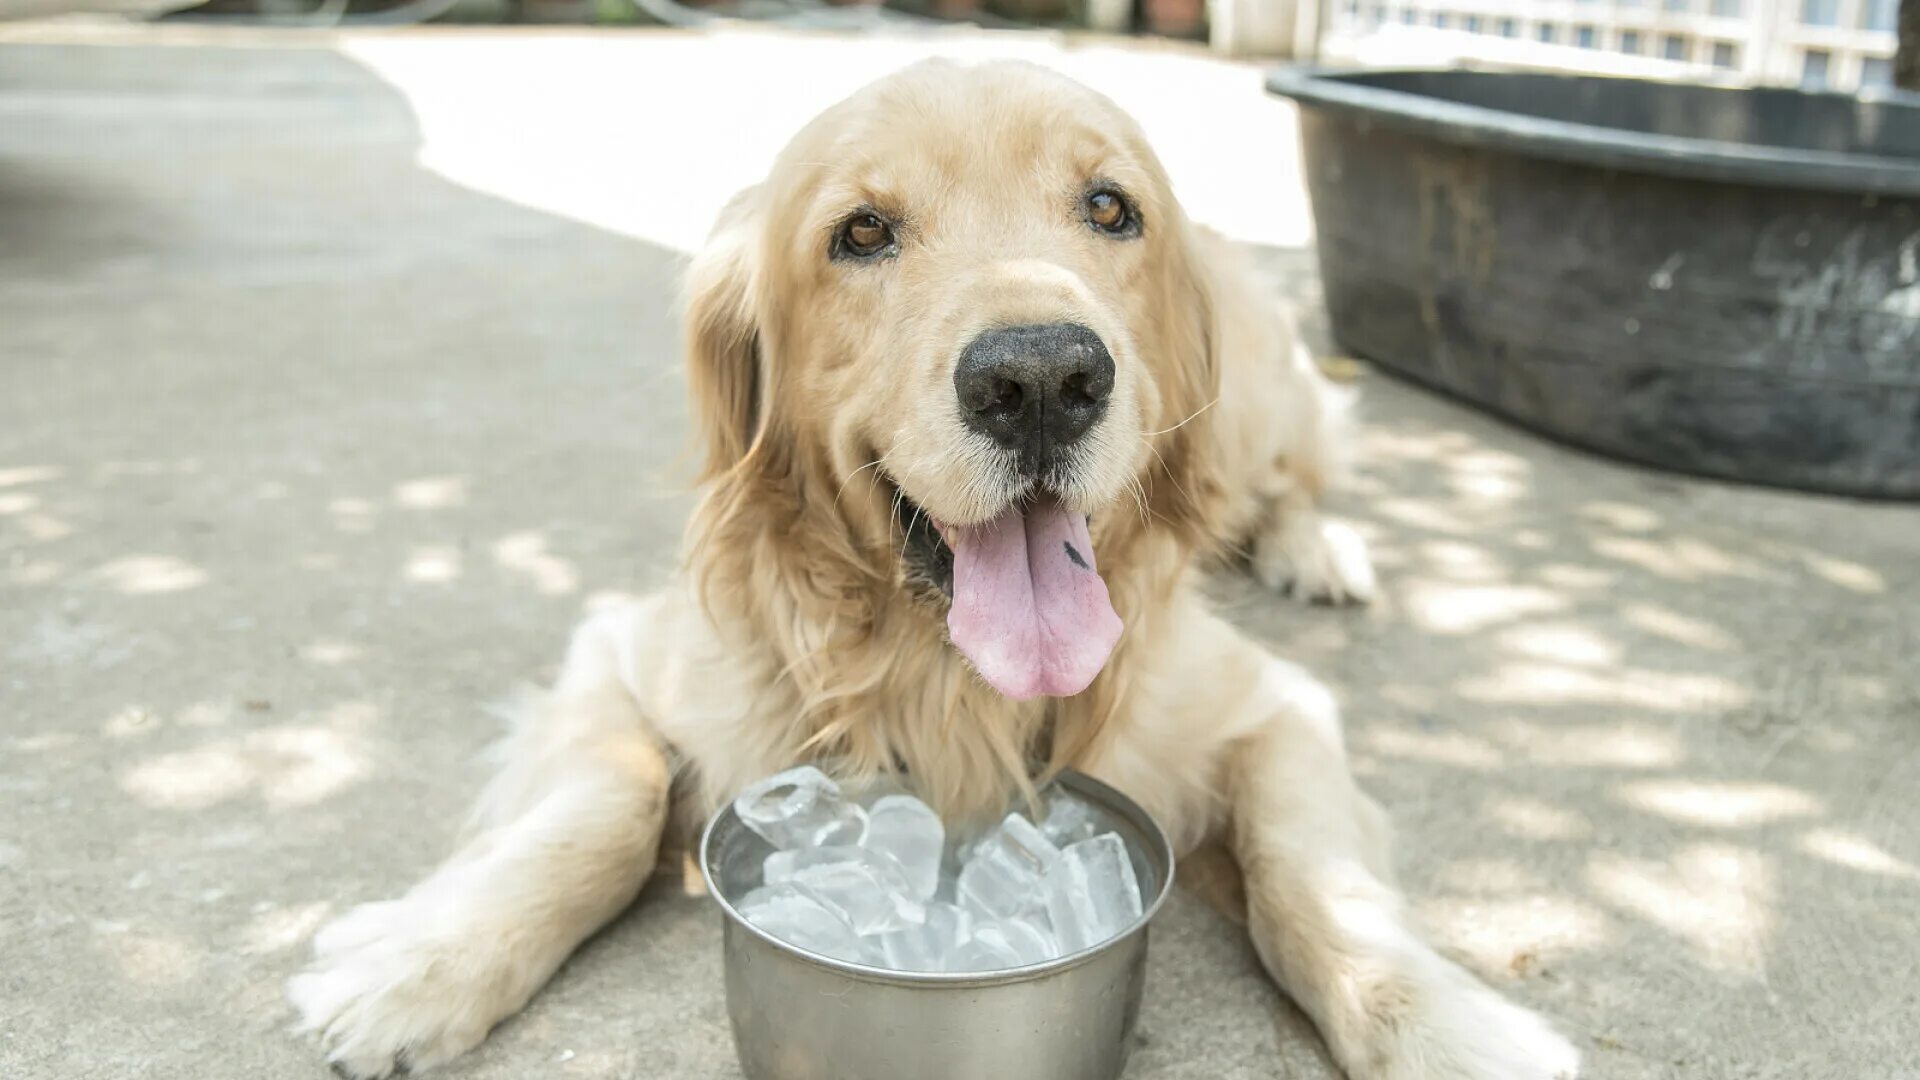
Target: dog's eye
1109,212
863,236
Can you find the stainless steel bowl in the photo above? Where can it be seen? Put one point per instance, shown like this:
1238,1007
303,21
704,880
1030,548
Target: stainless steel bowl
798,1015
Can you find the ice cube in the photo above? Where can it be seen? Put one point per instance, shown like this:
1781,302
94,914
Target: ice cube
791,914
800,808
783,865
931,945
1092,893
991,953
869,890
1069,819
1002,876
1005,943
962,838
907,829
1028,936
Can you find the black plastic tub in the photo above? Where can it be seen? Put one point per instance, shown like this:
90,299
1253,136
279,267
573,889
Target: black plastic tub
1723,282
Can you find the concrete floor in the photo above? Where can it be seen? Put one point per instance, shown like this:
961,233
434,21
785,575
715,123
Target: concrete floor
337,379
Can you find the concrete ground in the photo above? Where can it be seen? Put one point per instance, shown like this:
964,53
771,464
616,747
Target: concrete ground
337,379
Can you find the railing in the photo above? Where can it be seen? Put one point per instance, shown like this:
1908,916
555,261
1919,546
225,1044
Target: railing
1830,44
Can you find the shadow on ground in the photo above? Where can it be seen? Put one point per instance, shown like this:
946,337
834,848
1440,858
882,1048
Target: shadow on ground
305,453
1647,739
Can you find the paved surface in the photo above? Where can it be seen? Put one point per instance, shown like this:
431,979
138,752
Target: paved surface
337,380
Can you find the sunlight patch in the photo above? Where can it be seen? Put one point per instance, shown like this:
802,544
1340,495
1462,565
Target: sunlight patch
1479,485
1856,852
607,600
27,474
1446,608
1678,628
290,765
153,959
1616,744
1576,576
526,553
1463,562
563,163
192,779
329,651
276,929
44,528
434,564
147,575
1718,899
1719,805
1440,748
1847,575
1625,517
1416,514
1483,876
1509,934
351,515
1564,643
1538,820
432,493
1534,683
1683,559
130,722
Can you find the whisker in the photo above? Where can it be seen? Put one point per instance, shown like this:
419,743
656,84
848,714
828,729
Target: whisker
1139,493
854,473
1183,423
1163,468
906,536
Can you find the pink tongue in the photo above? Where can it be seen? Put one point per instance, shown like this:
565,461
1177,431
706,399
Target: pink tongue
1028,608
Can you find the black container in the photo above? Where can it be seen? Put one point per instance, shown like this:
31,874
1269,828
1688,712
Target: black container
1723,282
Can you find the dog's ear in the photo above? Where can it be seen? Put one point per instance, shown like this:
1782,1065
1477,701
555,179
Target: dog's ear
1192,311
723,340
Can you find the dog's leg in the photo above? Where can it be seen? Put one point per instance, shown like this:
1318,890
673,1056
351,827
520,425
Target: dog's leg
1328,926
562,840
1315,559
1296,428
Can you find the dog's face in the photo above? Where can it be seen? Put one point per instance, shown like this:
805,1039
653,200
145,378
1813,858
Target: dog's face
967,291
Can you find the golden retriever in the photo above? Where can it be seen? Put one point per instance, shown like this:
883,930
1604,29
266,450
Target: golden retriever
976,397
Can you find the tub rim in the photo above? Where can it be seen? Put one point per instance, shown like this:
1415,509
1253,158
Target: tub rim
1598,145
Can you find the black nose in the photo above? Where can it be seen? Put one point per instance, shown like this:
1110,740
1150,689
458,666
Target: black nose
1034,389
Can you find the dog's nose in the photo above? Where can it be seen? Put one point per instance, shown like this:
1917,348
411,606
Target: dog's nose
1034,389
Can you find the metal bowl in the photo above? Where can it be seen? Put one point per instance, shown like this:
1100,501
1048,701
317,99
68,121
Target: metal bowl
798,1015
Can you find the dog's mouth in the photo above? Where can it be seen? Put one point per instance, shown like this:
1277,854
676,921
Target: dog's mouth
924,553
1026,605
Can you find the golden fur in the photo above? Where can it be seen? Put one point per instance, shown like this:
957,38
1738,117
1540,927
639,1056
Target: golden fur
822,393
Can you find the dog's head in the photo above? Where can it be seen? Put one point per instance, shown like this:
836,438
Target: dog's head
962,313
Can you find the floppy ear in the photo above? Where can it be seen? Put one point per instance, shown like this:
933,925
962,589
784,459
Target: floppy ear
723,341
1191,321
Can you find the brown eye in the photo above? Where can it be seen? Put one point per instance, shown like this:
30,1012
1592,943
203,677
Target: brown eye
1108,212
864,236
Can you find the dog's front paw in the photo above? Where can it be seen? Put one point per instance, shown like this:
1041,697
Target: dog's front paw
1446,1025
391,989
1319,561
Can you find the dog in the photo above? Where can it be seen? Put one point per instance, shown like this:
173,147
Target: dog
977,400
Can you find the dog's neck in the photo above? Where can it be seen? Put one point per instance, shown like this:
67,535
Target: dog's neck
855,663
